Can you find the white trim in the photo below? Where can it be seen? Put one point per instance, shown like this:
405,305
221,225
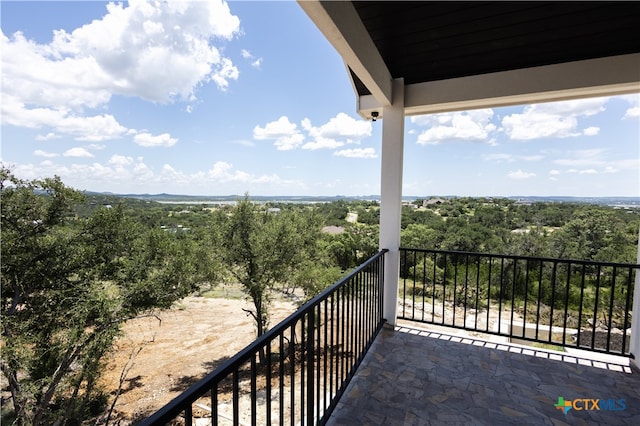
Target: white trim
616,75
596,77
634,346
341,25
366,105
391,197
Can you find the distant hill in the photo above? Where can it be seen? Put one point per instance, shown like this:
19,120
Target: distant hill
203,199
177,198
610,201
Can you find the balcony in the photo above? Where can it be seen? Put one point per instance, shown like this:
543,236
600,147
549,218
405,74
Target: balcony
417,377
336,361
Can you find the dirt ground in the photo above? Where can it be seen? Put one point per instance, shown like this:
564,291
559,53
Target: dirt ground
179,347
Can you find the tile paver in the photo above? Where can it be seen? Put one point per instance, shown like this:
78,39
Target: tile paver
418,377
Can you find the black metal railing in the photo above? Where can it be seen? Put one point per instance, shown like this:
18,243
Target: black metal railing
296,372
568,303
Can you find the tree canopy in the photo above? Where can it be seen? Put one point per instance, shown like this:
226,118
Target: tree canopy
68,285
262,249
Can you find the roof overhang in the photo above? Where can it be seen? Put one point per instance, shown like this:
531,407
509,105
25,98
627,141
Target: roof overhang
341,25
561,61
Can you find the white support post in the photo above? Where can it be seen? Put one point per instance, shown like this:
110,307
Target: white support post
391,196
635,319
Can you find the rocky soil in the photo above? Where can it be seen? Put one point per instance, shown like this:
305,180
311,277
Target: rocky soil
169,352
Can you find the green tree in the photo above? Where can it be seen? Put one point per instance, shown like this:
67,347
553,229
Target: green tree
420,236
333,213
312,278
68,285
262,249
353,246
595,233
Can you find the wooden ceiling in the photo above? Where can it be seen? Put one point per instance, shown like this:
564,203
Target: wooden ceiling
430,41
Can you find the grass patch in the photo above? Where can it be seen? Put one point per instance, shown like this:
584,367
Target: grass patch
180,306
225,291
548,346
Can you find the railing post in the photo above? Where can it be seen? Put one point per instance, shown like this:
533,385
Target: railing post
311,322
391,196
635,319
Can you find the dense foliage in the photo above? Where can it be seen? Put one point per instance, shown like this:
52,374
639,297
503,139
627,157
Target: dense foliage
67,286
262,249
543,229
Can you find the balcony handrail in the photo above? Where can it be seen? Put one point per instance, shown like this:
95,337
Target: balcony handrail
520,257
564,302
178,405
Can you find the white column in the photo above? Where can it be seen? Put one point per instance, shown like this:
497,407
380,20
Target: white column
391,196
635,319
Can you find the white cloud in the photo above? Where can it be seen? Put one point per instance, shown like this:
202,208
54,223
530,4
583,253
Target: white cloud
357,153
222,172
626,164
634,109
92,129
220,169
255,62
519,174
554,172
85,128
338,131
77,152
591,131
322,143
120,170
473,125
149,140
41,153
557,119
227,72
96,146
583,158
275,129
49,136
633,112
120,160
158,51
531,157
286,143
591,161
341,128
168,173
142,172
286,134
509,158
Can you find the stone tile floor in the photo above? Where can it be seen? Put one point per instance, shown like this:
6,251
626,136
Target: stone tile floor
414,376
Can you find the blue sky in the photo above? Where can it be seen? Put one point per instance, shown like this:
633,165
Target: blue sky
211,98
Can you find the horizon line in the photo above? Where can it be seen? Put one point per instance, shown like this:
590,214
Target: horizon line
164,194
